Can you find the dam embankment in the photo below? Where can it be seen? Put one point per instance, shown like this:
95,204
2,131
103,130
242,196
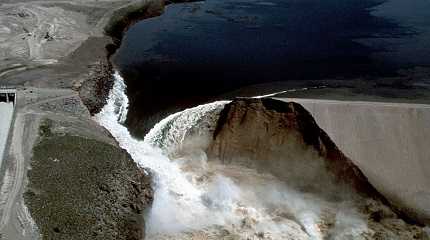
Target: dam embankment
150,96
7,107
387,141
285,179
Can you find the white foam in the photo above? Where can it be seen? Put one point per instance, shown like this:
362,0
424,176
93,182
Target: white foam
288,91
192,194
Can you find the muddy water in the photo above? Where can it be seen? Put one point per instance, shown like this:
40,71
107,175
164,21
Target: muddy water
197,51
197,197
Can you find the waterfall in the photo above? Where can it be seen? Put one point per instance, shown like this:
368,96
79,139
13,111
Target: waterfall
177,201
199,199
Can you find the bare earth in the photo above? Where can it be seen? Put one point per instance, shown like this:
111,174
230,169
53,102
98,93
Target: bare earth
388,141
47,48
52,43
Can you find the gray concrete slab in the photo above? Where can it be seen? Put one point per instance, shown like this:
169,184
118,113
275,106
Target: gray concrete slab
390,142
6,114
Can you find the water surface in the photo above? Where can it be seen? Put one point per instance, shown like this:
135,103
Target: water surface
197,51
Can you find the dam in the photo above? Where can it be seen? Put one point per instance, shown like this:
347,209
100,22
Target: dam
7,106
262,184
387,141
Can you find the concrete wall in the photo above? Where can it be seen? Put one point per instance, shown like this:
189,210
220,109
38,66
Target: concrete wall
6,114
389,142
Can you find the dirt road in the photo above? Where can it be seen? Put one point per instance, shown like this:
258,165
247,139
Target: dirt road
15,221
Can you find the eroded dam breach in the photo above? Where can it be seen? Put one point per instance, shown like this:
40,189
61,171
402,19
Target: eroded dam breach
253,169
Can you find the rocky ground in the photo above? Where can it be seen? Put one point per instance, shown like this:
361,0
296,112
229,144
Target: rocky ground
262,143
275,122
282,131
56,54
81,188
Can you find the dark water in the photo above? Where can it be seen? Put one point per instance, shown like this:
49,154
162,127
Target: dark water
196,51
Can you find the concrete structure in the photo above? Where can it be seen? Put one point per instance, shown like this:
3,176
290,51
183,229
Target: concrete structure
7,95
7,105
390,142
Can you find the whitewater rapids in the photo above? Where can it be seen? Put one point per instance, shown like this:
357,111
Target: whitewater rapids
200,199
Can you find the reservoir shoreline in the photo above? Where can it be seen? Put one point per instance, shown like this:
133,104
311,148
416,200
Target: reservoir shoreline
66,77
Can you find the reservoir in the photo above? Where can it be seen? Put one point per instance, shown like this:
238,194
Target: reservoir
195,52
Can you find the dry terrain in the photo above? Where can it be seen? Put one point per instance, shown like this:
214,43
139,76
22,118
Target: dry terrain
48,49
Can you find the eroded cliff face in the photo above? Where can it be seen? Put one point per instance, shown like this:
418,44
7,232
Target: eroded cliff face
266,170
283,139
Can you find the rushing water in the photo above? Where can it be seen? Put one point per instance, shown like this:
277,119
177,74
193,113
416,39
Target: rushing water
196,51
200,199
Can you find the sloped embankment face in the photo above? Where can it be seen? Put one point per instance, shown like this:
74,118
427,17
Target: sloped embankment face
81,188
283,140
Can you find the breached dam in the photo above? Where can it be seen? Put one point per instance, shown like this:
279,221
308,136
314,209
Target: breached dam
387,141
